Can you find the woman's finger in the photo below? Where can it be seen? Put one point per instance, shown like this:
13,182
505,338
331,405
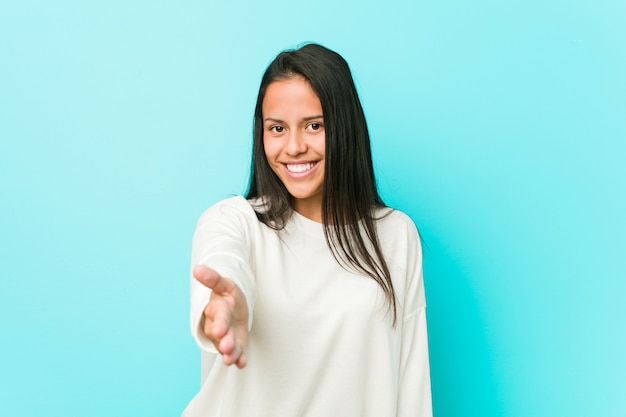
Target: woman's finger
210,278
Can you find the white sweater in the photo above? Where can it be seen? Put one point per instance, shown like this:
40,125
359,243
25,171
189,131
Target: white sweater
321,340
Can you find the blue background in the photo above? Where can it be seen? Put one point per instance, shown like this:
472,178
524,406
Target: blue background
499,126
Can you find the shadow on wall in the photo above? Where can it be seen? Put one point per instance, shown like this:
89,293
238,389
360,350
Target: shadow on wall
462,366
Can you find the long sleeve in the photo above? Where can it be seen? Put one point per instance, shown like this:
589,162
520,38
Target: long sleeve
414,395
222,242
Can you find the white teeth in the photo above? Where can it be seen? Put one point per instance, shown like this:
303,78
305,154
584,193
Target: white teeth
300,167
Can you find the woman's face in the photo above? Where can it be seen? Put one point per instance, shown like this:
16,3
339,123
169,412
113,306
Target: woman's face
294,141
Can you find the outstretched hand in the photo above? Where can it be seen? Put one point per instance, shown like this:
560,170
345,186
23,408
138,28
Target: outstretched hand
225,316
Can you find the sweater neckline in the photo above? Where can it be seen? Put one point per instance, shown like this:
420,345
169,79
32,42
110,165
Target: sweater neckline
310,226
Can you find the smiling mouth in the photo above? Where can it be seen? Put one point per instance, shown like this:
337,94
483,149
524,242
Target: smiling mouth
300,168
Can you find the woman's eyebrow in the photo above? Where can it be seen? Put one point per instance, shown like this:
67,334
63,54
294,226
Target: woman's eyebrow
306,119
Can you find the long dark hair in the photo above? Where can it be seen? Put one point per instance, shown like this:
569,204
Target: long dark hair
350,195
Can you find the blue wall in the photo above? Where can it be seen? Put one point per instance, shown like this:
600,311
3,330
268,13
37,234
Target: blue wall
498,126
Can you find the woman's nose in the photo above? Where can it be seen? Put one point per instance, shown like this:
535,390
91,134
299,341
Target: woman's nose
296,143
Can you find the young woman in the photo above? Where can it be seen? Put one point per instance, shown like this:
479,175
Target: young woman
307,296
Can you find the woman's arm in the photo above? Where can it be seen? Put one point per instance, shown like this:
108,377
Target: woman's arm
225,316
414,395
222,282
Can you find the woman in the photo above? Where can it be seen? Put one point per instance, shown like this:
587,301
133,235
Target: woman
310,286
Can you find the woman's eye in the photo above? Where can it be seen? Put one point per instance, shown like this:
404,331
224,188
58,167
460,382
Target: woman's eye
315,126
277,129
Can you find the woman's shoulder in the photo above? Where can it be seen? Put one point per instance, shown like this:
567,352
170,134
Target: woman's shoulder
236,202
235,208
390,218
395,227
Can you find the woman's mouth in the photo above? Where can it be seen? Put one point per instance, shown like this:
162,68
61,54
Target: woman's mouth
300,168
